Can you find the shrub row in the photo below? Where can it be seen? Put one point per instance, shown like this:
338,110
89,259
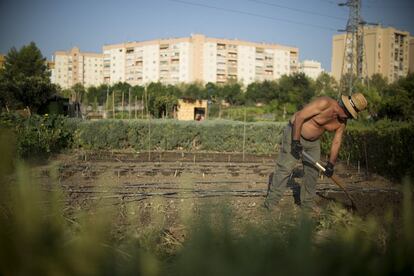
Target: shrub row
384,147
218,135
38,136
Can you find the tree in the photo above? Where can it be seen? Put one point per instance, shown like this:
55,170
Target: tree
231,93
118,89
212,92
296,89
398,100
25,80
326,85
195,91
138,92
162,99
378,82
78,93
253,93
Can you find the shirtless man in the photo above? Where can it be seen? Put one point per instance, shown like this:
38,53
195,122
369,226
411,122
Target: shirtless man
302,133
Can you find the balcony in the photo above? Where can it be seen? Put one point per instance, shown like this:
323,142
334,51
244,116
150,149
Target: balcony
164,47
259,50
232,71
221,46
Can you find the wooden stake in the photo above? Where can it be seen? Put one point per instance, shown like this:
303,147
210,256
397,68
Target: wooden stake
122,105
244,132
135,107
129,104
113,104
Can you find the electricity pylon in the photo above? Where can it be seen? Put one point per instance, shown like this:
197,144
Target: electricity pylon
352,64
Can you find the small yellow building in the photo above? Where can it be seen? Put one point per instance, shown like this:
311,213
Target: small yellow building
189,110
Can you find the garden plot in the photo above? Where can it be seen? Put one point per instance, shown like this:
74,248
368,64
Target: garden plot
241,181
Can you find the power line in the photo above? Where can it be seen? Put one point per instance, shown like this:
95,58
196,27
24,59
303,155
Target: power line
298,10
253,14
329,1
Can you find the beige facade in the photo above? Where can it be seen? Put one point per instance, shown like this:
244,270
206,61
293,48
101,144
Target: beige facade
386,53
189,110
74,67
197,58
311,68
176,60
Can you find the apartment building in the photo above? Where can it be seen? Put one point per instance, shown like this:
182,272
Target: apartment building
311,68
386,53
73,66
197,58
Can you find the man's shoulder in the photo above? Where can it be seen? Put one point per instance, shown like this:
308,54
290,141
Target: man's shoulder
325,101
325,98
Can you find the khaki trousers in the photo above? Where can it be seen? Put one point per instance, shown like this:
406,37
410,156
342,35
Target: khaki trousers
284,166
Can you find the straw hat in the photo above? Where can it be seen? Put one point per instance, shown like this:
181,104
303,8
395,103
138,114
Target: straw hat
355,103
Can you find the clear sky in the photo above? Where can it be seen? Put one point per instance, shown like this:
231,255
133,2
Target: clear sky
89,24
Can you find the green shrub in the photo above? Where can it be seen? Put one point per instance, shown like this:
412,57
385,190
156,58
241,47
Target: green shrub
39,136
103,134
385,147
217,135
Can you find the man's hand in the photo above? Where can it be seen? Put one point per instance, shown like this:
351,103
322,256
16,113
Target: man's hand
329,169
296,149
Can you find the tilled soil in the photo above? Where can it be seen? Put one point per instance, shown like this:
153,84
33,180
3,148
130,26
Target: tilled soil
167,179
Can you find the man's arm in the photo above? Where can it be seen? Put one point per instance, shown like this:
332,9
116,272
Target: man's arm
312,109
336,144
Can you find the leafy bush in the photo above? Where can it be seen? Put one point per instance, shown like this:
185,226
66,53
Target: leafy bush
385,147
218,135
39,135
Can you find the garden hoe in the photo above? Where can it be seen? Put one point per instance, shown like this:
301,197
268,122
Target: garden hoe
333,177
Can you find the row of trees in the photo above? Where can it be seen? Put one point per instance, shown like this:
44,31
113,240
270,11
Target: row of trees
25,82
286,95
290,92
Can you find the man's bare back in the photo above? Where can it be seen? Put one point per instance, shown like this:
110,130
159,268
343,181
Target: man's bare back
322,114
330,118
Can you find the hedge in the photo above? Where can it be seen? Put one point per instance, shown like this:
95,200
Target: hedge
385,147
217,135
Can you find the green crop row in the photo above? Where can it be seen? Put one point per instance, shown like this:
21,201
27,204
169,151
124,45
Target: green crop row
218,135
